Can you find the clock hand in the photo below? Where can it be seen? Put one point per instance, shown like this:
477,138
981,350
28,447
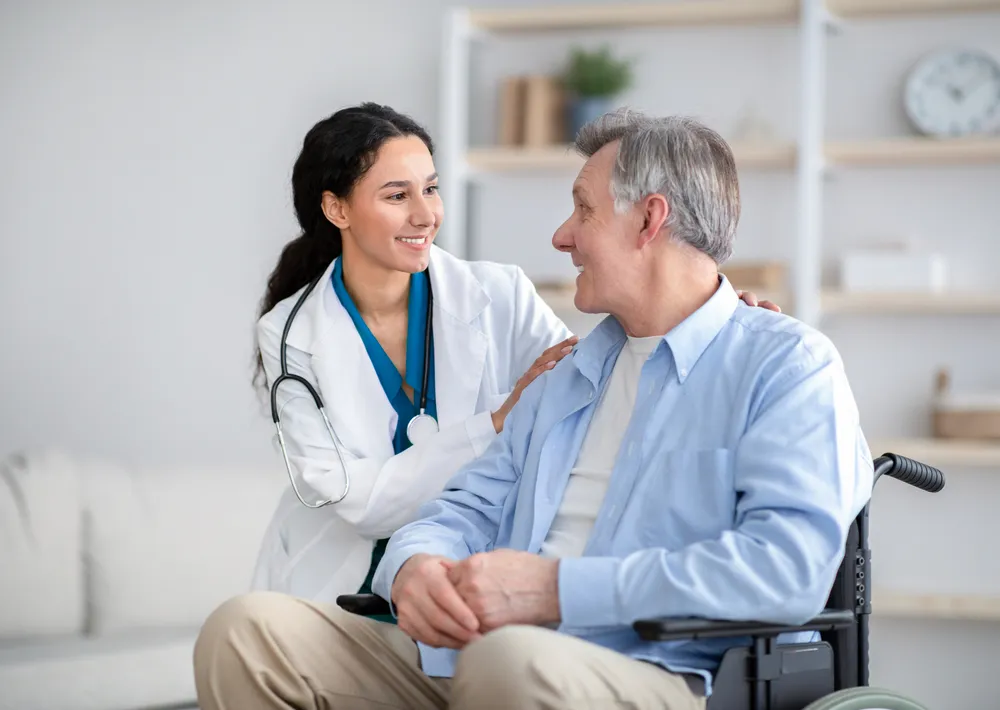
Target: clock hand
967,89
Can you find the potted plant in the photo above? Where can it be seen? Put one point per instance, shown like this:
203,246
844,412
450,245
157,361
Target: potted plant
592,80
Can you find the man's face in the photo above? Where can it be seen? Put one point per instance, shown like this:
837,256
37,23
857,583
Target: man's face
601,242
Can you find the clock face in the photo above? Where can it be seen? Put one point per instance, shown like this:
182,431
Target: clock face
955,93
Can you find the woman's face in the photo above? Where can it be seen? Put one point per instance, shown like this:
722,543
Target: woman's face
394,212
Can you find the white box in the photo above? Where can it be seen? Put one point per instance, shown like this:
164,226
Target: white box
893,271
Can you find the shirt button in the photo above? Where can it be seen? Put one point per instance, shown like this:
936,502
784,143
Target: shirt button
631,449
684,372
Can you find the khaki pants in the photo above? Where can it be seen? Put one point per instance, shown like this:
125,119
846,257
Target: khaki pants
266,650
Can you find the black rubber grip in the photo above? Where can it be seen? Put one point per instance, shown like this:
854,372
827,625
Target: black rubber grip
917,474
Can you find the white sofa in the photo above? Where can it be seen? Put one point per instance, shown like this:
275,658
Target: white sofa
107,572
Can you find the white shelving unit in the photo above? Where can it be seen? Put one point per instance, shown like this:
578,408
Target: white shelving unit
810,157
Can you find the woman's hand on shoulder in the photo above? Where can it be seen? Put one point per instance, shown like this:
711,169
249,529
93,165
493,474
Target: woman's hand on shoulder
546,361
750,298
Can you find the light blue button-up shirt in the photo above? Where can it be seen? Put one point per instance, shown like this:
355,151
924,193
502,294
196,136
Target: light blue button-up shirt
742,467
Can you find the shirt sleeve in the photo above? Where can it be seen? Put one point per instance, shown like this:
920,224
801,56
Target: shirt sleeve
465,518
802,473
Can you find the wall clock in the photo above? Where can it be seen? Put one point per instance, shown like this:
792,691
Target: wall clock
952,93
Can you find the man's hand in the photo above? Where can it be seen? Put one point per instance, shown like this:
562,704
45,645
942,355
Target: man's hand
428,607
508,587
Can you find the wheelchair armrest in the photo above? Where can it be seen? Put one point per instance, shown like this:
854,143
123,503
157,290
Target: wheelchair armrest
692,628
364,604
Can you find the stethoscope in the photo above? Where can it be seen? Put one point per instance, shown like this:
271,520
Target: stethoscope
419,428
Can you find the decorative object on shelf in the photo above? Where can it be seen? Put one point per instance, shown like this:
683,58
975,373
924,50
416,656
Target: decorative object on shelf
953,93
752,128
532,111
593,79
891,269
544,109
760,277
510,126
965,416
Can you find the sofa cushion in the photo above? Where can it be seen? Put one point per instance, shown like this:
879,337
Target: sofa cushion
166,545
121,673
41,582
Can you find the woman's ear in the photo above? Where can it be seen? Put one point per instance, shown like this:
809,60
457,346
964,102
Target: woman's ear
335,210
655,211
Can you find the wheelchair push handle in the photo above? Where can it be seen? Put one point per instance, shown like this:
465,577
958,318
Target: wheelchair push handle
907,470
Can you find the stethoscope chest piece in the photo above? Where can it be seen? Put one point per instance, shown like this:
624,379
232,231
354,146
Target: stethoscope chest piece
421,428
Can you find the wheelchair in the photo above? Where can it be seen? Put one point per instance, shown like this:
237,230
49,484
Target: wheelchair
830,674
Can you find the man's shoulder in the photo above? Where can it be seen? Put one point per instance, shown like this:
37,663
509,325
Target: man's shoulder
778,338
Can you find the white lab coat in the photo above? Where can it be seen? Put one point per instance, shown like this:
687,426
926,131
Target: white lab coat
489,327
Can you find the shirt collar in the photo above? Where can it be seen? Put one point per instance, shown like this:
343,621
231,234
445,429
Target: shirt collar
687,341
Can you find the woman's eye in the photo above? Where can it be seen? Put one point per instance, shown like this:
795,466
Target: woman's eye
431,189
397,196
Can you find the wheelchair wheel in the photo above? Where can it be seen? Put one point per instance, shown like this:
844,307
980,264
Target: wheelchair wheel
865,699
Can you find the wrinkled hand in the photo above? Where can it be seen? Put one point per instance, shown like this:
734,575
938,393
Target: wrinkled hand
750,298
428,608
508,587
546,361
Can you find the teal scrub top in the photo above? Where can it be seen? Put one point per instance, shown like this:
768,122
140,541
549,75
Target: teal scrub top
389,377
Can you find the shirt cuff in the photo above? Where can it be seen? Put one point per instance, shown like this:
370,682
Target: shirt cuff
481,432
588,591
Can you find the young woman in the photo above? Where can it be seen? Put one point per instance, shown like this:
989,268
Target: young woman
350,299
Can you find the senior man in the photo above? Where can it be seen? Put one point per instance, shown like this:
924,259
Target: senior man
692,457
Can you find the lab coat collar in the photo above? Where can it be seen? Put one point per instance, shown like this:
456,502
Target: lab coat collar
324,329
457,292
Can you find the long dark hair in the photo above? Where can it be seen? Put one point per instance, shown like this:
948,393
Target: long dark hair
335,154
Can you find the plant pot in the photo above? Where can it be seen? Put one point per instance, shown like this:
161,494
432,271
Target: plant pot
584,109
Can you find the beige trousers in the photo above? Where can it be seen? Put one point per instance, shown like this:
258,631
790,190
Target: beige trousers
267,650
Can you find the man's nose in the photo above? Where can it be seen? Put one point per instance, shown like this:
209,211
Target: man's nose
563,238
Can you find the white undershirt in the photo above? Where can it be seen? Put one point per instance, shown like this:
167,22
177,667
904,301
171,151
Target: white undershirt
588,480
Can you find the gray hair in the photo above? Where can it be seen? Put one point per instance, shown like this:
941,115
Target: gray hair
688,163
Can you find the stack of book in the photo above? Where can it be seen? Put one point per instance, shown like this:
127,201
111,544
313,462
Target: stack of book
532,111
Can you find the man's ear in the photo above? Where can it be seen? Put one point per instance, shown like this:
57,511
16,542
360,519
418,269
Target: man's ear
655,211
335,210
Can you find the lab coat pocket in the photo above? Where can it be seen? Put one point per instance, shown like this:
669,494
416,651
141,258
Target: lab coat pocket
687,495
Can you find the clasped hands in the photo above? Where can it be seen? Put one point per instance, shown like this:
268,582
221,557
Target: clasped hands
444,603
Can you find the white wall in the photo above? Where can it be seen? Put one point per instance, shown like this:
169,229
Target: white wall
145,153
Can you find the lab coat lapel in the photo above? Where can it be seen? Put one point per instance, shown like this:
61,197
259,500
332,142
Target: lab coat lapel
358,409
460,345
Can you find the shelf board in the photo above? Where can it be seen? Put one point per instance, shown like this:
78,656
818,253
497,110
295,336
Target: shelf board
973,607
689,12
942,452
511,159
834,302
890,8
913,151
562,157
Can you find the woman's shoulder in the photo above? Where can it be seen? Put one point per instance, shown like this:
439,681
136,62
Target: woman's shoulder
497,279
